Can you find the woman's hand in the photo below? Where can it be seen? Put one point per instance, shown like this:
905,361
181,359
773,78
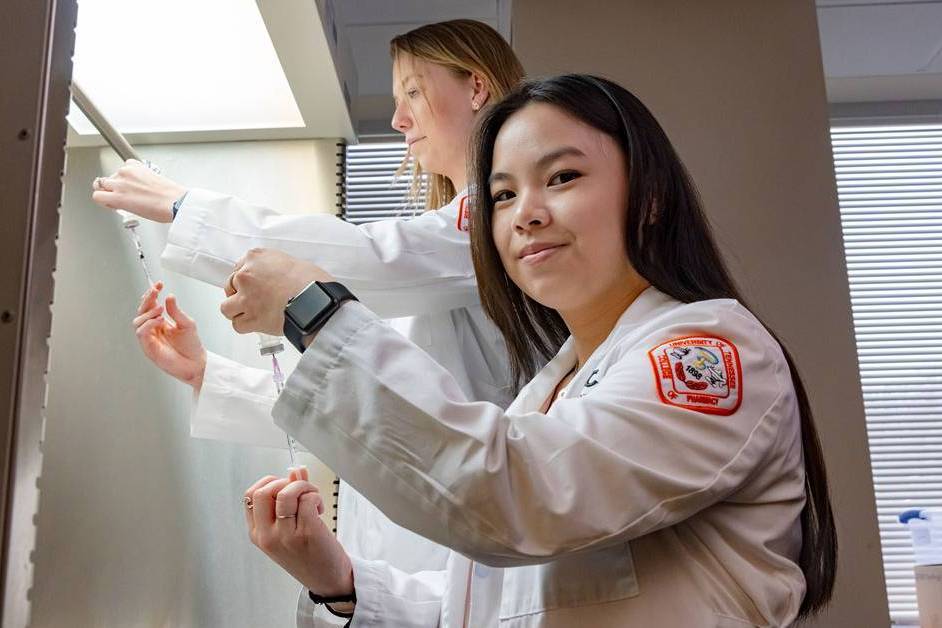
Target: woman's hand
173,345
282,515
139,190
261,285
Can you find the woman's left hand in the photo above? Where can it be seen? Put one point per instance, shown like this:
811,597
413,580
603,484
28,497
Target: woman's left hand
261,285
284,523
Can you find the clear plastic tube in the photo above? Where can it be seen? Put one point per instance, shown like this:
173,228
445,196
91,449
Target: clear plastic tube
272,345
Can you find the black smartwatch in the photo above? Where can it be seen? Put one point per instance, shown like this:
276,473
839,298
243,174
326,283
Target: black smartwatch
311,308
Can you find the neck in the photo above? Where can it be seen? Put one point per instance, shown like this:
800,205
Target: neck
458,173
459,182
591,324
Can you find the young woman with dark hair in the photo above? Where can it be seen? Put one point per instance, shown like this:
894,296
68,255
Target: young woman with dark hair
661,470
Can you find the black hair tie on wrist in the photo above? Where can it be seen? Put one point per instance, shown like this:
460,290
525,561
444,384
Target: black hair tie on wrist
327,601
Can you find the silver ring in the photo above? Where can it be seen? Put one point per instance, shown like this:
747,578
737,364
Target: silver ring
286,516
248,502
96,184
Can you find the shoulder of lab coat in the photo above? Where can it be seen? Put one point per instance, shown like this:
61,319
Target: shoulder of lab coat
397,267
521,487
386,598
234,404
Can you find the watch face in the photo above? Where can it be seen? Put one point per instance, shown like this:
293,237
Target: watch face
305,308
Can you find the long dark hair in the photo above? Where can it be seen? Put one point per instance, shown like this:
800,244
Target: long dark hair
669,243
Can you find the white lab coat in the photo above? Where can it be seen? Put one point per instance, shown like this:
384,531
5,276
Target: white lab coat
419,268
662,488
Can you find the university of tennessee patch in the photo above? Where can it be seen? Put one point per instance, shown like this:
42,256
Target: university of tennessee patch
701,373
464,215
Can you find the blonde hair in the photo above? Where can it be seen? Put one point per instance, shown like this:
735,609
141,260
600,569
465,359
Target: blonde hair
465,47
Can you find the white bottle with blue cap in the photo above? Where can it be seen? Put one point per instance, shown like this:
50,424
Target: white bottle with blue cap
925,526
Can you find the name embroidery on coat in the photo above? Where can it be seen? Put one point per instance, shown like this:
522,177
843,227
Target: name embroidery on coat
701,373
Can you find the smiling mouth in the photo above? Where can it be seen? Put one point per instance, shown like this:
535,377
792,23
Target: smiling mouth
539,256
415,140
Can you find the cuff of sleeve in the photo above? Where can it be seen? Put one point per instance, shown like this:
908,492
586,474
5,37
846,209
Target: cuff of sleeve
184,253
367,580
234,407
307,384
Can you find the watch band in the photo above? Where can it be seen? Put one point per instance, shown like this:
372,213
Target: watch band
295,331
175,207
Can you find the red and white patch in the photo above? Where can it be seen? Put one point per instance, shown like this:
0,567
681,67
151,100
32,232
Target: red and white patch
464,215
701,373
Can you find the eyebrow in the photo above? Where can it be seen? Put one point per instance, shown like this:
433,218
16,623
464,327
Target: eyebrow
410,76
542,162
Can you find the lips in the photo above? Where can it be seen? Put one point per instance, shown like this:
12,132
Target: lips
414,140
538,251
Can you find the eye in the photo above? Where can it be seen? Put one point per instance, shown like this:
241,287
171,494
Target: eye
564,177
501,196
412,93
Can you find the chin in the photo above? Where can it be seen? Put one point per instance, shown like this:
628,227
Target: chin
546,294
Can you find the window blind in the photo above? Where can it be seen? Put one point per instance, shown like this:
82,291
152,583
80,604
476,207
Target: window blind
372,189
889,181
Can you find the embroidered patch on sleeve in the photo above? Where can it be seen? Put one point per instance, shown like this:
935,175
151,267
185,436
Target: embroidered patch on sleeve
701,373
464,215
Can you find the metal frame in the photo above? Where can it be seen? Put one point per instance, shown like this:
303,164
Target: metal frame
39,35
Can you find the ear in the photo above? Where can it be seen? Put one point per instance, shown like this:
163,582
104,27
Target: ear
480,91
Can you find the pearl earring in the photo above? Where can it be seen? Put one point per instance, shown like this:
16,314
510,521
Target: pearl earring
475,106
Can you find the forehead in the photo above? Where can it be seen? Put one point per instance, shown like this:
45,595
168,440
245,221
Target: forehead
539,128
406,67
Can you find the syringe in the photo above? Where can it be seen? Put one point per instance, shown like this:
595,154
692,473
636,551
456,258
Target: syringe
131,223
272,345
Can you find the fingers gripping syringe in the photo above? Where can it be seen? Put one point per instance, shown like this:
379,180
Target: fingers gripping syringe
272,345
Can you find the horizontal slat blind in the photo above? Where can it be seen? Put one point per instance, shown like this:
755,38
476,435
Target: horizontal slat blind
889,181
373,191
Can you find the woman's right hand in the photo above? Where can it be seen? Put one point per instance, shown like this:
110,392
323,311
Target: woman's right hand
139,190
173,345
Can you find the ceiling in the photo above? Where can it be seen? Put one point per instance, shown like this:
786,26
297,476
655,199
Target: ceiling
881,51
873,50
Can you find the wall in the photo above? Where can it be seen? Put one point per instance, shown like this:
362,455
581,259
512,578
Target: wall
139,524
739,87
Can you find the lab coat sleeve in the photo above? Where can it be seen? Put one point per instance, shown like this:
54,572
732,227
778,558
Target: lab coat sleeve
386,598
509,489
397,267
234,404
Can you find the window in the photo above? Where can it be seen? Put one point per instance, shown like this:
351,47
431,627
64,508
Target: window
889,181
373,191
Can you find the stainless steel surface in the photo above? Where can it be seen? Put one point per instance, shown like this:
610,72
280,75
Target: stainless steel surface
140,524
99,121
36,42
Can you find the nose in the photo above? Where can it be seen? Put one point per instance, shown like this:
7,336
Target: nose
531,213
401,120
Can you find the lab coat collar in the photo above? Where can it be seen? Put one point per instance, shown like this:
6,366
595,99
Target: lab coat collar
533,395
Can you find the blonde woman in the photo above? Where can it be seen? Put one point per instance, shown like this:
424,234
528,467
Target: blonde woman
443,76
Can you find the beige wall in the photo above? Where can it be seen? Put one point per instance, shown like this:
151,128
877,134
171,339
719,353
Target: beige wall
739,87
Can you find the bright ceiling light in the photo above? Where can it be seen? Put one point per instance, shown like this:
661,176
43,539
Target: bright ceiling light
180,65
